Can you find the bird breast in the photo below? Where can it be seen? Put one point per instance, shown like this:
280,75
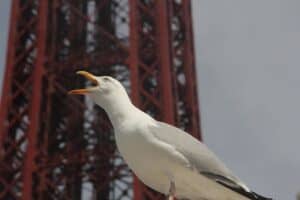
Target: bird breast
138,150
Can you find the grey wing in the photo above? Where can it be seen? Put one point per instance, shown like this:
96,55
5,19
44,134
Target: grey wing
197,153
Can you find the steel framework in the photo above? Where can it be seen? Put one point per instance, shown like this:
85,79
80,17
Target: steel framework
54,146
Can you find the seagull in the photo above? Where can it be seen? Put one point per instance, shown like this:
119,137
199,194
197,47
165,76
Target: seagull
163,157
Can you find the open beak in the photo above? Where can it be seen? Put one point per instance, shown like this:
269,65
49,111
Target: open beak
88,76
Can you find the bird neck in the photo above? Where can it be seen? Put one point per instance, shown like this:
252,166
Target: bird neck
119,109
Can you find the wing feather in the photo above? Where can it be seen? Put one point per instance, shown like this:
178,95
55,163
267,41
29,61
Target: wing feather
200,157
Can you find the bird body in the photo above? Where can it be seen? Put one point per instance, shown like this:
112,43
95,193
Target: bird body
157,163
162,155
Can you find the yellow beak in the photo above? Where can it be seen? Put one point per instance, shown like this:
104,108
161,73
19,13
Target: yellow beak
88,76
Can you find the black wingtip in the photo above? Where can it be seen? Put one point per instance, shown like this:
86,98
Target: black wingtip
259,197
228,183
251,195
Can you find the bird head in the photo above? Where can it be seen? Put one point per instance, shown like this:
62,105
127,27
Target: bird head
105,90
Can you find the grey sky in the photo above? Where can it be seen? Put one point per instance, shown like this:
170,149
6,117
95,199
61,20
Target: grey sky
248,74
4,18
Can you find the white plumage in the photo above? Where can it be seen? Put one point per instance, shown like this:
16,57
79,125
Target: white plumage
161,154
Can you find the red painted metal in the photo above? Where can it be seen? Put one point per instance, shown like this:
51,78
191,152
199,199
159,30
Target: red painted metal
134,75
163,35
54,146
34,114
8,72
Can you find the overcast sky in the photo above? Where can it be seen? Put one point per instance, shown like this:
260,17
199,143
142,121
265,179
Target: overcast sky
4,18
249,77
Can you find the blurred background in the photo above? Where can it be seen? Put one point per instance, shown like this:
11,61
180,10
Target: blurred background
247,62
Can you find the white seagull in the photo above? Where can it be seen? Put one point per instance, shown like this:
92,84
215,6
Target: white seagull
162,156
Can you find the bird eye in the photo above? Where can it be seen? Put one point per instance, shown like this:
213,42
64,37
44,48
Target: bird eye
106,79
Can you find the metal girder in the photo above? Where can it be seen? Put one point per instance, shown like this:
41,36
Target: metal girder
21,99
183,67
54,146
163,64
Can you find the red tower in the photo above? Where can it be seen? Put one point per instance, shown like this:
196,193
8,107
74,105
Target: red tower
55,146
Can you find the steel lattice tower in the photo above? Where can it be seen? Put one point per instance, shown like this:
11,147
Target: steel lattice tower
55,146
